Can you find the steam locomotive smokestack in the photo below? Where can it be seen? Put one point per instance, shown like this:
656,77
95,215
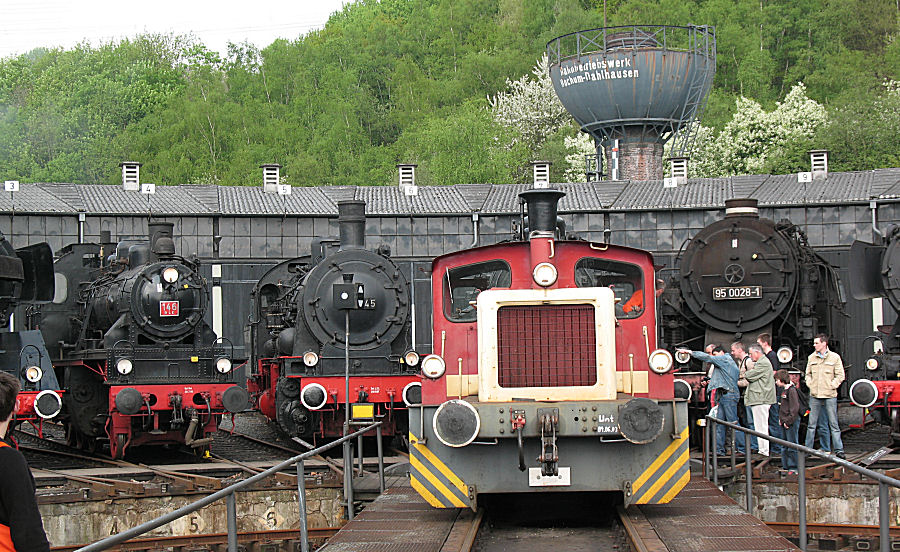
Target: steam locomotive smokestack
542,207
161,242
741,207
352,223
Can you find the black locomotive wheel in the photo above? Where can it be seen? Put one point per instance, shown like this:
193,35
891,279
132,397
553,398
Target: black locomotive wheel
117,447
71,436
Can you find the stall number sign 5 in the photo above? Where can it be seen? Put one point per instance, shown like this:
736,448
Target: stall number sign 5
168,308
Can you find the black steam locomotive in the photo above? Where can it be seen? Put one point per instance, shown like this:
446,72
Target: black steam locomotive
745,275
140,365
874,273
299,335
26,278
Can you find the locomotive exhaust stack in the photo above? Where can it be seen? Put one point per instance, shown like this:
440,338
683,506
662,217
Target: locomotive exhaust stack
352,223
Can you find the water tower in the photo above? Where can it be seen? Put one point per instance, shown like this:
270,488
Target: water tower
634,88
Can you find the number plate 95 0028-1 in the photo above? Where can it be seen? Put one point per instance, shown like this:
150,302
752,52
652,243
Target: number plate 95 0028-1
737,292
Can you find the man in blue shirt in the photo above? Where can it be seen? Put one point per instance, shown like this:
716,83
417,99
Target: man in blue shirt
724,382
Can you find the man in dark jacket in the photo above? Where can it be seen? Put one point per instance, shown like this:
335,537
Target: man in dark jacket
788,417
21,529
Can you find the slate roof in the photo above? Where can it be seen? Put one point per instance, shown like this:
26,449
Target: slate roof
696,193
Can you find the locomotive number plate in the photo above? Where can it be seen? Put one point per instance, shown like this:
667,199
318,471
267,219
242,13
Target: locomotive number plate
738,292
168,308
535,479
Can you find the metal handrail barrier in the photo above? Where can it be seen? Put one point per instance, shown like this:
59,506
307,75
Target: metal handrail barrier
228,494
884,481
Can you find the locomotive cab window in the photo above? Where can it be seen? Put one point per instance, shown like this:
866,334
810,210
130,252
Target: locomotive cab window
625,279
463,284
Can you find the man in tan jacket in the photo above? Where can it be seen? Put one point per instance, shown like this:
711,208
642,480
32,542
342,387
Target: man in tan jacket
824,374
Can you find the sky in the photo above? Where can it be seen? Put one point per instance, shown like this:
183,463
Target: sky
28,24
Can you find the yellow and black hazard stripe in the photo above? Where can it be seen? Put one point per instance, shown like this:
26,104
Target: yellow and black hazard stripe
432,479
666,476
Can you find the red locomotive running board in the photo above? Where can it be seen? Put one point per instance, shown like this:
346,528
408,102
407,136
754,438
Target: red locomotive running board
168,308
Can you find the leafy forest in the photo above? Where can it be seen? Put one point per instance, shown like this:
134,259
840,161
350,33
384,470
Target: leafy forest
455,86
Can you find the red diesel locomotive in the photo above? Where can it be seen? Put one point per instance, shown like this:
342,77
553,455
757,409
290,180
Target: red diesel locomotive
540,380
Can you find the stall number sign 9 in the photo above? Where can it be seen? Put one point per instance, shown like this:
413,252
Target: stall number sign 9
168,308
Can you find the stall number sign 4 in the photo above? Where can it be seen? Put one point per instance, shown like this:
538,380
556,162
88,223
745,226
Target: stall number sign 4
168,308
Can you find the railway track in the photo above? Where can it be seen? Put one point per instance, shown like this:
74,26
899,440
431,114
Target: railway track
288,539
547,522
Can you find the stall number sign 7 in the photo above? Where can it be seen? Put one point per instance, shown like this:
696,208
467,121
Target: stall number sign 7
168,308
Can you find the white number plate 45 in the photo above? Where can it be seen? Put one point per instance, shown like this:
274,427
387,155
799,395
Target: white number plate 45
535,479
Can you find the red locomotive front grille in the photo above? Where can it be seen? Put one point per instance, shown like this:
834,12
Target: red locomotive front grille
546,346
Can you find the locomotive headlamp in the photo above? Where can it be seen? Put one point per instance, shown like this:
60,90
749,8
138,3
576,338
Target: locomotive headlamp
314,396
124,366
544,274
433,366
33,374
310,358
660,361
411,358
682,356
785,355
873,363
223,365
170,275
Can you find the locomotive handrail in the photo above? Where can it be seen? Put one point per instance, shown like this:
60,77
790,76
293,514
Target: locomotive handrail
883,481
229,492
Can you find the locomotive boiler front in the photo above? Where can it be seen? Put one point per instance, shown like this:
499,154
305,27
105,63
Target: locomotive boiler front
740,273
158,295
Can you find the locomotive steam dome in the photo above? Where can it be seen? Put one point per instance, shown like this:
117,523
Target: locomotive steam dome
738,274
637,84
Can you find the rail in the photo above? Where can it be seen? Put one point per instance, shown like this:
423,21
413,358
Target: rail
228,494
711,461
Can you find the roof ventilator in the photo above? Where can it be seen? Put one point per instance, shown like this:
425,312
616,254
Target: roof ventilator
131,176
271,177
819,161
678,167
407,179
541,170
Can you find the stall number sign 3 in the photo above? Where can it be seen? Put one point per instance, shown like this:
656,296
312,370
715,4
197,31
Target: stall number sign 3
168,308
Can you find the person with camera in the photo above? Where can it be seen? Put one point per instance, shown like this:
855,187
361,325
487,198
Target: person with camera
723,386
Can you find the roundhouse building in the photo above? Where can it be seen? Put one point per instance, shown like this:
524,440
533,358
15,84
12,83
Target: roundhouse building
241,231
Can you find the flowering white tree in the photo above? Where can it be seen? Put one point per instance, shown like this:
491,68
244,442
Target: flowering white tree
578,147
530,106
753,135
